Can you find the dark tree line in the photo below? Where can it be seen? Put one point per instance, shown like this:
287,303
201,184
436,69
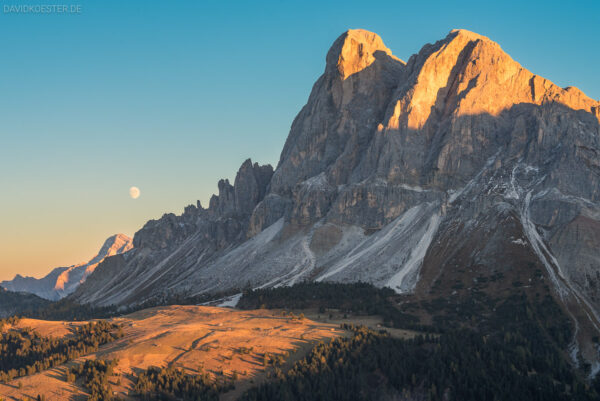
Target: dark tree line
25,352
174,384
94,375
358,298
12,303
66,309
459,365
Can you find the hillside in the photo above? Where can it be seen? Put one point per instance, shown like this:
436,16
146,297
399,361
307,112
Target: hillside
183,336
13,303
507,348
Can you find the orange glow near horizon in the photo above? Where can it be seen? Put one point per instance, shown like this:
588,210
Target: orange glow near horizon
70,228
36,253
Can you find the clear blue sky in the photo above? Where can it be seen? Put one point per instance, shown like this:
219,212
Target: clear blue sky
171,96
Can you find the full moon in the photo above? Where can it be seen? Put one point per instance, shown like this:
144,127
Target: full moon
134,192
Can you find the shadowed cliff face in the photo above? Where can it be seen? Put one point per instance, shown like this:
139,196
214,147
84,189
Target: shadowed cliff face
394,171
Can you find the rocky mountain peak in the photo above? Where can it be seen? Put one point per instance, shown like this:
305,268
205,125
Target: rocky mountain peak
249,188
62,281
355,50
467,74
345,106
114,245
442,74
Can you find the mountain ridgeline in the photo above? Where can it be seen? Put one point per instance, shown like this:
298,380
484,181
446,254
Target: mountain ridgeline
62,281
456,172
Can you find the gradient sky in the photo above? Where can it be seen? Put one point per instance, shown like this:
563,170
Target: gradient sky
171,96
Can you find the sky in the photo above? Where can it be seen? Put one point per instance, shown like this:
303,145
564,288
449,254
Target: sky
172,96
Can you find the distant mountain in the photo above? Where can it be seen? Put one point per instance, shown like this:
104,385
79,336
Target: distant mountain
456,172
13,303
62,281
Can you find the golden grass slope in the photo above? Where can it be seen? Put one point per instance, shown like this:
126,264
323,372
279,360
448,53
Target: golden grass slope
189,337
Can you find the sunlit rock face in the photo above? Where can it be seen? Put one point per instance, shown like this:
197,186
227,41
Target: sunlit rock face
62,281
395,173
344,108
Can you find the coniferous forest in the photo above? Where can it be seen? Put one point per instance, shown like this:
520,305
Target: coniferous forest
483,349
174,384
357,298
25,352
94,375
461,365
